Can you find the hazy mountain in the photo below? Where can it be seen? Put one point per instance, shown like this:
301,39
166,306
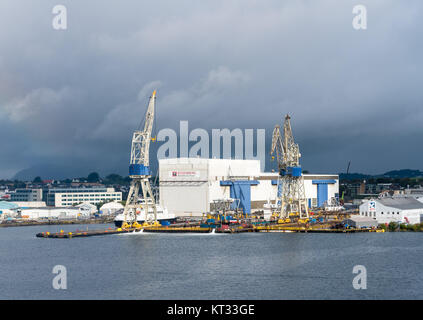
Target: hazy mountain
403,173
354,176
60,172
57,172
396,174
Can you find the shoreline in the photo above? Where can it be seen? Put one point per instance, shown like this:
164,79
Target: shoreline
56,222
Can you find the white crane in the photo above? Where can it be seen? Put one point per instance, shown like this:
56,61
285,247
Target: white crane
139,172
292,196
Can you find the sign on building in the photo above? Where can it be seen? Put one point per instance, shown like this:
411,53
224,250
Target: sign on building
174,174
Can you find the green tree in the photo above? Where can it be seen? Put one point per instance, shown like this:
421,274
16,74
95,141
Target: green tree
393,226
93,177
37,180
114,179
100,204
415,227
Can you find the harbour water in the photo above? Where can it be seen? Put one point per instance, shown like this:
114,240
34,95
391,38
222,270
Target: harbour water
210,266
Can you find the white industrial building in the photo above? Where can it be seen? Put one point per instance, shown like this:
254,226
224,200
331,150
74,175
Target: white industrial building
188,186
11,210
393,209
64,197
359,222
8,209
50,213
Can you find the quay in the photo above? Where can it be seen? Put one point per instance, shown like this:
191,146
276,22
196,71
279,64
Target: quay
236,228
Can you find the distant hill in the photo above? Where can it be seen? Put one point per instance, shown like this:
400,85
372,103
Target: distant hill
45,172
50,172
394,174
61,172
354,176
404,173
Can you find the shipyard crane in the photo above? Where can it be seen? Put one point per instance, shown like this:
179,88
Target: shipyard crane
291,199
139,172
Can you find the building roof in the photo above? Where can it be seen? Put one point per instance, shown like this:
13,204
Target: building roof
112,205
401,203
8,205
360,219
30,204
86,205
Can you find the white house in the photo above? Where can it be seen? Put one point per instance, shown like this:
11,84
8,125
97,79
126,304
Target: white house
393,209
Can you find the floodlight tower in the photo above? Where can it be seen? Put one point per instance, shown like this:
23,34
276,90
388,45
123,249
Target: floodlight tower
139,172
292,196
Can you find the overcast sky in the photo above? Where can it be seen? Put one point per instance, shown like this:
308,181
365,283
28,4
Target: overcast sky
71,98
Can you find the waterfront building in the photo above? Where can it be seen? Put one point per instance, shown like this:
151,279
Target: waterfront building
393,209
26,195
190,186
49,213
65,197
361,222
8,209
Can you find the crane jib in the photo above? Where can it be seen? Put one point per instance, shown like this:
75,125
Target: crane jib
140,193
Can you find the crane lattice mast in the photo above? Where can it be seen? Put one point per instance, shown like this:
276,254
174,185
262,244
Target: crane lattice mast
139,171
291,198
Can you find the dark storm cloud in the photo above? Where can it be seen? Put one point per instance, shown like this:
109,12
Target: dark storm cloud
74,97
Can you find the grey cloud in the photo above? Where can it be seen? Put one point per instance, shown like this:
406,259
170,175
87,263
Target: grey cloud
77,95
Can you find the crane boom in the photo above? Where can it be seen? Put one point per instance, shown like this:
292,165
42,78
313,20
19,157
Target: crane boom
141,139
139,171
277,145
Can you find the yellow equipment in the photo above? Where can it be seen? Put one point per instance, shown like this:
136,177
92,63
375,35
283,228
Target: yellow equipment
136,225
281,221
125,225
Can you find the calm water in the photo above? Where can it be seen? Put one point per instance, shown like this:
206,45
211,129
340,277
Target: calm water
244,266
